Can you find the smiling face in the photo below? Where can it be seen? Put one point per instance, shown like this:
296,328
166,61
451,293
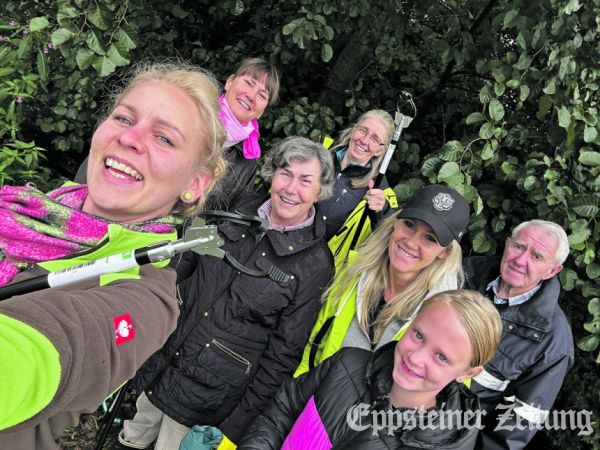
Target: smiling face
247,96
366,141
434,351
294,189
413,247
144,156
528,259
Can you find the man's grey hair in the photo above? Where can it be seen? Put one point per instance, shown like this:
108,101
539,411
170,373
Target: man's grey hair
551,229
301,149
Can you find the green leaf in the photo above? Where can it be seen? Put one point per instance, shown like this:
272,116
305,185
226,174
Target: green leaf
564,117
524,92
60,110
104,66
289,28
592,327
594,306
529,182
452,150
568,277
124,38
42,66
428,166
510,17
84,58
326,53
488,152
572,6
447,170
486,131
506,167
65,12
588,158
544,106
499,89
496,110
239,8
481,244
60,36
38,23
4,71
485,94
590,134
550,88
94,43
115,57
589,343
586,206
96,17
474,118
593,270
580,232
498,224
179,12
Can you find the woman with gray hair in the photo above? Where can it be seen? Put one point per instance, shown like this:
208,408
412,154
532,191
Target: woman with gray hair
239,337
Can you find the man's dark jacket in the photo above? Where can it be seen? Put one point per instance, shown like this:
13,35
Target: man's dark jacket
534,355
238,337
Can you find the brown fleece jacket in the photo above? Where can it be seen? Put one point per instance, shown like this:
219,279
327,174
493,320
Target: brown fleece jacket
79,321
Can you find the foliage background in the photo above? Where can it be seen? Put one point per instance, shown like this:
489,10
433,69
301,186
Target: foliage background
507,95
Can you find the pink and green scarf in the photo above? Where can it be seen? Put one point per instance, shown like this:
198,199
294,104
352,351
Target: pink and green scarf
37,227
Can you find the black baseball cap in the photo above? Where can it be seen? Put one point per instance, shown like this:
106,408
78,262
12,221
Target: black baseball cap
442,208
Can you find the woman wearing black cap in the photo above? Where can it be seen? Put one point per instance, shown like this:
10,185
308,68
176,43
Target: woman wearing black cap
411,256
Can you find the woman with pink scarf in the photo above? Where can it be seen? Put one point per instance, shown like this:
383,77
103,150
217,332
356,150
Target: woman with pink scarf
253,87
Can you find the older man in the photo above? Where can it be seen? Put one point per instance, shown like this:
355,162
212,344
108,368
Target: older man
519,386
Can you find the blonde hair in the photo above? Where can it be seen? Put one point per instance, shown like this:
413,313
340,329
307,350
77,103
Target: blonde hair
478,316
346,135
203,89
373,261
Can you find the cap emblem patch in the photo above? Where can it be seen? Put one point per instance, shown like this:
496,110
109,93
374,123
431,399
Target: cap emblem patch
443,202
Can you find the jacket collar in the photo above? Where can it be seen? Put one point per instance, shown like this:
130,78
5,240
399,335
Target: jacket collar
284,244
352,170
453,399
538,312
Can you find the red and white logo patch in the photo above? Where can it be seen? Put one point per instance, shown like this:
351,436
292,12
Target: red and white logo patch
124,330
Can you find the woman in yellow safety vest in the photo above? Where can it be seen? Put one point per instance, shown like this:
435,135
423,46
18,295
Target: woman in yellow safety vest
412,255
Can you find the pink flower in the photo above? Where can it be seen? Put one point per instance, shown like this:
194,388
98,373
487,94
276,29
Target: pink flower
12,23
46,50
50,45
18,100
26,31
2,38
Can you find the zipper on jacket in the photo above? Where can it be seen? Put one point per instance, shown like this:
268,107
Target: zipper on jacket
234,355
